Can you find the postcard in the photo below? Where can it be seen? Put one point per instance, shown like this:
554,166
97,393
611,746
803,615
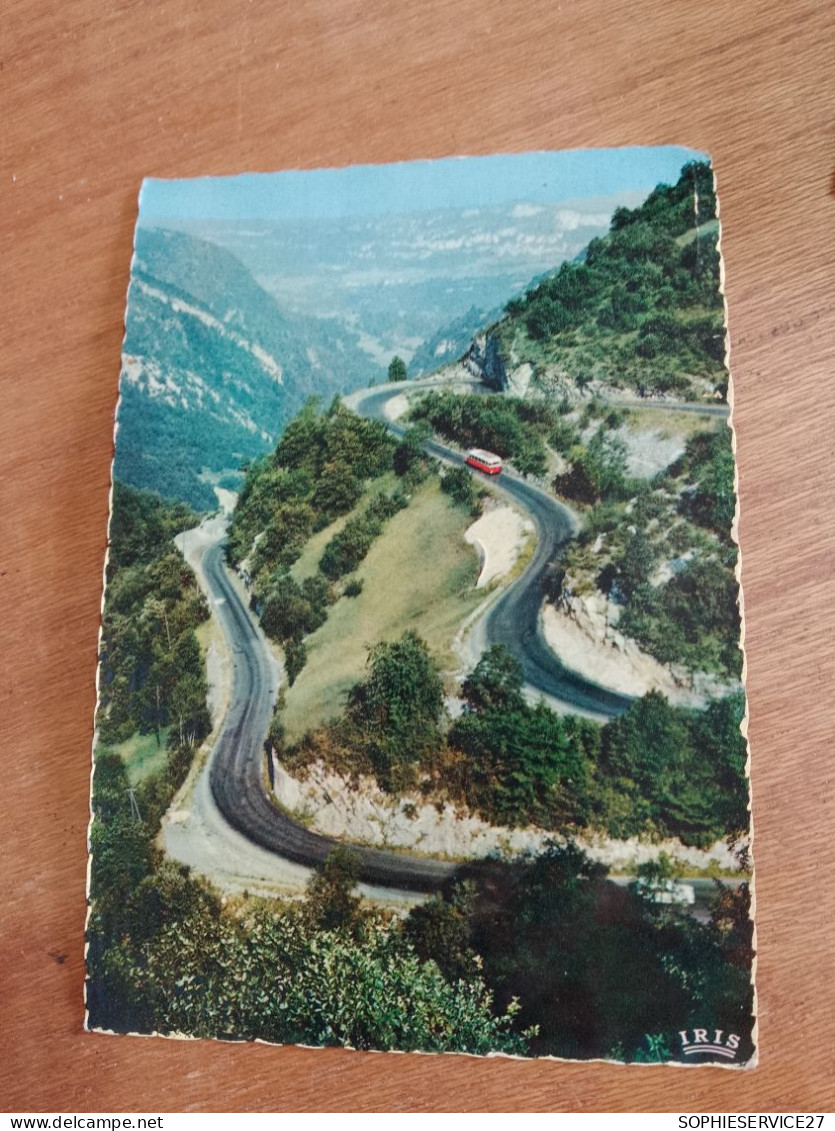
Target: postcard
421,723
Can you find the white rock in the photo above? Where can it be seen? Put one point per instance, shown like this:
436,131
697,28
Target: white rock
360,812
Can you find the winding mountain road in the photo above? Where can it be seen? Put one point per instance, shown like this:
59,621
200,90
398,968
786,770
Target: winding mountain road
237,767
513,620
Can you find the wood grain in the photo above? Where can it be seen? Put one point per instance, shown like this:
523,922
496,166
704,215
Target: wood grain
96,95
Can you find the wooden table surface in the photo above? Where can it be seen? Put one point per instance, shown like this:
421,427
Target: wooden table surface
97,94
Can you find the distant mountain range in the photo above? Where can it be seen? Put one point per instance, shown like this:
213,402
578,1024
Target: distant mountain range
231,327
397,278
212,368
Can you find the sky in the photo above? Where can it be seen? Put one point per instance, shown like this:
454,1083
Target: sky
408,187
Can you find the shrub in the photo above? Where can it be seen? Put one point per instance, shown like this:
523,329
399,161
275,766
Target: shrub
458,483
295,654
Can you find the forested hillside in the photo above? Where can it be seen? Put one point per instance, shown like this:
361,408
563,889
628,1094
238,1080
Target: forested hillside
658,771
309,515
641,311
212,368
151,676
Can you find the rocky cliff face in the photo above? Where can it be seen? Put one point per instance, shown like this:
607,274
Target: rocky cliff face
357,810
484,360
582,630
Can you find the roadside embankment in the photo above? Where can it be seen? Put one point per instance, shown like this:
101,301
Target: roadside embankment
357,810
580,632
500,536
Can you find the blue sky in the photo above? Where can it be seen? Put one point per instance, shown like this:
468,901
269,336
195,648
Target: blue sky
455,182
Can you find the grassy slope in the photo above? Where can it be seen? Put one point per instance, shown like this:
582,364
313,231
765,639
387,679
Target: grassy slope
419,574
682,424
308,563
205,633
141,755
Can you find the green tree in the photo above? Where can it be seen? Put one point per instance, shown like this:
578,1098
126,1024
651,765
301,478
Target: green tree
397,369
288,613
605,464
404,690
295,655
439,929
330,901
709,459
597,471
410,459
646,741
399,708
284,536
530,457
683,770
495,684
337,490
521,763
634,567
457,482
522,766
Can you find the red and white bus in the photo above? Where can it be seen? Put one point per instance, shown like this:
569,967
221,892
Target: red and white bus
488,462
